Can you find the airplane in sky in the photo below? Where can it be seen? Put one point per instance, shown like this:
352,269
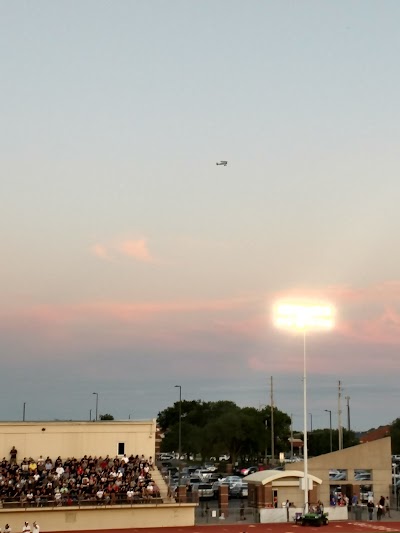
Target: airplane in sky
223,163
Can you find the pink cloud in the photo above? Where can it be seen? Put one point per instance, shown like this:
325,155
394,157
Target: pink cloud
133,248
100,251
137,249
366,316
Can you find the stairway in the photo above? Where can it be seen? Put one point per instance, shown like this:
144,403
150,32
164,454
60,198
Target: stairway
161,483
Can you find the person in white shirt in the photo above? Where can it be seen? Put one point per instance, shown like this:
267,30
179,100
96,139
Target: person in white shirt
7,529
26,528
35,528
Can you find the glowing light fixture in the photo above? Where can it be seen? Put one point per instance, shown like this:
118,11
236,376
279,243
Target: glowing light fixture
304,317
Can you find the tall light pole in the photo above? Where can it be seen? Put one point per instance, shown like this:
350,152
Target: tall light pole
97,404
23,412
347,398
310,422
299,317
179,433
272,423
330,426
291,437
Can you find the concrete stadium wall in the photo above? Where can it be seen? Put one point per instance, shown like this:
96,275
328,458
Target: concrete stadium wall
95,518
76,439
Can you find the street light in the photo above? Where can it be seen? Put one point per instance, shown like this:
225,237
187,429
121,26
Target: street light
180,433
23,412
303,317
97,403
330,426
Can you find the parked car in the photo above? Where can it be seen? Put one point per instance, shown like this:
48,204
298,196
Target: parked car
230,480
166,456
235,485
191,469
211,467
239,490
204,491
337,474
215,477
340,476
249,470
193,480
203,474
224,457
362,476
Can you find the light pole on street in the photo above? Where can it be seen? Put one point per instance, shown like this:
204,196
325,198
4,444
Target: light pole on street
304,318
179,433
97,404
330,426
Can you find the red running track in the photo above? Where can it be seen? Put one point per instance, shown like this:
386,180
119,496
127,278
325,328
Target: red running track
332,527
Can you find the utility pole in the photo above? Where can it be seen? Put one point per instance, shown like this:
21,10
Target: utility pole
340,429
347,398
330,426
291,437
272,422
179,434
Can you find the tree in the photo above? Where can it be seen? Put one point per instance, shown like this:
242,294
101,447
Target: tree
319,441
395,435
106,417
216,428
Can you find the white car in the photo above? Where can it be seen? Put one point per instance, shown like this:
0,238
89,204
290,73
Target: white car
203,474
166,456
210,466
203,490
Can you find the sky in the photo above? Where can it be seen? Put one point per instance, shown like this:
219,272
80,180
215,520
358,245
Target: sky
131,262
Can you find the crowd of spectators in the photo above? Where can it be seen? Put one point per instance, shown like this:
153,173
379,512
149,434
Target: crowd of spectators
90,480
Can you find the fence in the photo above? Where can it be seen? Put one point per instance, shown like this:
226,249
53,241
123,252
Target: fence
8,504
210,513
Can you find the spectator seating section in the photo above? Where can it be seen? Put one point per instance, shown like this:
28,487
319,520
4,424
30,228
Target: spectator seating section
86,481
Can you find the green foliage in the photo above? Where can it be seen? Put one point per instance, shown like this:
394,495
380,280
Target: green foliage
212,429
106,417
395,434
319,441
216,428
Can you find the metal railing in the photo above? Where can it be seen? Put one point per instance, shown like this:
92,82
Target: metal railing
10,503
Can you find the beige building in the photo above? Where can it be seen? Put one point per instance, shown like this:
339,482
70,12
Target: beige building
76,439
361,470
364,470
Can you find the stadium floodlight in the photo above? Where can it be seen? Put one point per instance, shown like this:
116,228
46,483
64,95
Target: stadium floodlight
304,318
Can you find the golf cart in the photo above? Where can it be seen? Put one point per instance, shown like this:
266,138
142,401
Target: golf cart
315,516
